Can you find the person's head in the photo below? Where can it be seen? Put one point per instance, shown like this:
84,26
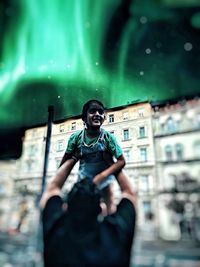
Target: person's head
93,113
84,200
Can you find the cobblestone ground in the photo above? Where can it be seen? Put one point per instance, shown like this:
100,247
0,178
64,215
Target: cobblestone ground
19,250
24,250
185,253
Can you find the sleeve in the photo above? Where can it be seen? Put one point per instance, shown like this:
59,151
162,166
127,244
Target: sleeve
72,142
50,214
126,214
113,145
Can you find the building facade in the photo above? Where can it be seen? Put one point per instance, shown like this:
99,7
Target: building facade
161,144
132,127
7,174
177,151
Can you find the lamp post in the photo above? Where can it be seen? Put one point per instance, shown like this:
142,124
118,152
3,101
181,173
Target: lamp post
47,147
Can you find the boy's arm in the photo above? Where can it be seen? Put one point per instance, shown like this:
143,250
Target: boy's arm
69,156
113,149
55,186
124,183
114,168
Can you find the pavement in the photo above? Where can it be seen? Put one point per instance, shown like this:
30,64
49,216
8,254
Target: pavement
19,250
160,253
22,250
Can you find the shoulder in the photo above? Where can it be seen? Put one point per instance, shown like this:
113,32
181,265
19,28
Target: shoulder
124,219
112,144
130,196
53,205
105,132
49,194
73,141
108,136
125,203
75,136
126,210
51,213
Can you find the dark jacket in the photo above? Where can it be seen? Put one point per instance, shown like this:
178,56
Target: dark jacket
87,243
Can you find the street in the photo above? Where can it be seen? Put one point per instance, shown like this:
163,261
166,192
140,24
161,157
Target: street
159,253
19,250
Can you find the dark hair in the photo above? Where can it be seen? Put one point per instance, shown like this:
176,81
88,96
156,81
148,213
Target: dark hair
86,106
84,196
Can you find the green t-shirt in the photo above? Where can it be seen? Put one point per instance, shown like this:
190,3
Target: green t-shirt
110,142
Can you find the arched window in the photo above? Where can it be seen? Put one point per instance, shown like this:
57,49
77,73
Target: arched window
170,125
197,149
168,152
179,151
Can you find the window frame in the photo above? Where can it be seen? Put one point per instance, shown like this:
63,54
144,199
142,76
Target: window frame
143,156
73,126
144,133
111,118
60,147
126,137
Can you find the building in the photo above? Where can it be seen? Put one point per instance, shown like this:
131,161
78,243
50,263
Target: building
131,125
7,193
28,180
167,188
177,151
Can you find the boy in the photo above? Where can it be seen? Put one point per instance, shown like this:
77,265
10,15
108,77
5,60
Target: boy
94,145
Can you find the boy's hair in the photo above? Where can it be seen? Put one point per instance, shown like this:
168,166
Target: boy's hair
86,106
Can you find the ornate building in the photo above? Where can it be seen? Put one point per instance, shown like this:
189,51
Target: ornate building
167,188
7,174
177,152
132,127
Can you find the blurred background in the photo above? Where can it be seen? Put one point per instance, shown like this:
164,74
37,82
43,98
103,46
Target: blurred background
141,59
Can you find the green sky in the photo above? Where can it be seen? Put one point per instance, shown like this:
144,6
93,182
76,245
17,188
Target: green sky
63,53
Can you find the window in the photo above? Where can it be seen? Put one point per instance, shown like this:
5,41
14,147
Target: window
198,120
179,151
34,133
2,190
143,154
141,112
127,155
125,116
58,161
170,125
147,208
60,145
29,165
111,118
62,128
32,150
162,128
144,183
168,152
73,127
126,134
142,132
197,149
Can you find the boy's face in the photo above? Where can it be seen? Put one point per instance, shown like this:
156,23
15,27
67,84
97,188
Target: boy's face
95,115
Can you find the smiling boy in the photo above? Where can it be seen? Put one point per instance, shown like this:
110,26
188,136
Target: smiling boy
95,147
